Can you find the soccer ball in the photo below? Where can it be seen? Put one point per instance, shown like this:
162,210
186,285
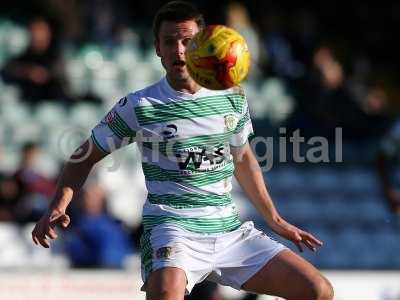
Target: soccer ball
217,57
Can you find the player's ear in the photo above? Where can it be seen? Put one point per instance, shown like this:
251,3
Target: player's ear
157,47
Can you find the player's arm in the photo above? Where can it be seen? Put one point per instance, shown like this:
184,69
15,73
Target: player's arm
73,176
250,178
117,129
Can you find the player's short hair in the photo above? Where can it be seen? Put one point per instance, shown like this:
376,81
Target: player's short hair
177,11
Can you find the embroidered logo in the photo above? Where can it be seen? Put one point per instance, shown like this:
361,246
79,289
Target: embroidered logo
230,122
164,252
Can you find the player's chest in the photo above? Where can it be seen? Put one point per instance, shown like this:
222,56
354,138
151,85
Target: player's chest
199,130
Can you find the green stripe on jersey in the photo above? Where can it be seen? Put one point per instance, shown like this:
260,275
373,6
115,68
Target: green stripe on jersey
169,148
201,107
190,200
194,177
147,252
203,225
120,128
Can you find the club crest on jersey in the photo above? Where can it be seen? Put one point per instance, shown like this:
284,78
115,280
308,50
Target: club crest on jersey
164,252
230,122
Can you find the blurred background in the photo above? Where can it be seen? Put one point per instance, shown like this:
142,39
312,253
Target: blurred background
316,67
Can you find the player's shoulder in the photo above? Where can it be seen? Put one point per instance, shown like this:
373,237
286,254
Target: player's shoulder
232,90
235,95
236,90
150,91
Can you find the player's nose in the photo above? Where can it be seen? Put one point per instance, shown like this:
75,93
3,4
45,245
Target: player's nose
180,49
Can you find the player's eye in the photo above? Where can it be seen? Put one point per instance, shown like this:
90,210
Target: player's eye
169,42
186,41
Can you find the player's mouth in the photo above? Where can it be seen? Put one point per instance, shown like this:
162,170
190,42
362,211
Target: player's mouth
179,63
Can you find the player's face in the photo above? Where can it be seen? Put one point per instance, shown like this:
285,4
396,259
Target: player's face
171,45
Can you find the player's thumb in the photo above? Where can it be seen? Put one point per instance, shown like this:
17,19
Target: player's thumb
64,220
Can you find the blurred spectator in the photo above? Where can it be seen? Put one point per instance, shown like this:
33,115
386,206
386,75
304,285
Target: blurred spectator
101,18
304,32
97,240
39,71
280,57
8,191
327,100
238,18
388,167
8,197
331,71
33,189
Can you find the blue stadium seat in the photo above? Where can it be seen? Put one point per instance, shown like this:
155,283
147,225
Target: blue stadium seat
324,180
289,179
373,210
363,180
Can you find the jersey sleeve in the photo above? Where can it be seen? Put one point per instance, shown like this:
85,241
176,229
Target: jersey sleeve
244,127
118,128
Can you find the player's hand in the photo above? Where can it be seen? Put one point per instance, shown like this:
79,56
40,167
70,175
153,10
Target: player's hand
45,228
297,236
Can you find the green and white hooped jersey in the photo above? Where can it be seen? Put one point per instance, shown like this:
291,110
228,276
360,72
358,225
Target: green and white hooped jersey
185,145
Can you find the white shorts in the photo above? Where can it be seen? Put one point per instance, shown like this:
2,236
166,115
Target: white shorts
229,258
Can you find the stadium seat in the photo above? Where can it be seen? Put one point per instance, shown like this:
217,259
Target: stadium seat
86,115
323,180
360,180
290,179
276,103
13,40
14,252
16,112
50,113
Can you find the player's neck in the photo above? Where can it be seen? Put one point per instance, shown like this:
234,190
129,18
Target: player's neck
186,86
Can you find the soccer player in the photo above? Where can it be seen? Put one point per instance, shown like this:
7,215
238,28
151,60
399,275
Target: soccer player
192,142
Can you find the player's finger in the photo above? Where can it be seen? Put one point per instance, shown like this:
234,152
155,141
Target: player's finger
51,233
299,247
310,245
55,220
312,239
65,220
62,219
44,242
34,238
39,238
36,235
